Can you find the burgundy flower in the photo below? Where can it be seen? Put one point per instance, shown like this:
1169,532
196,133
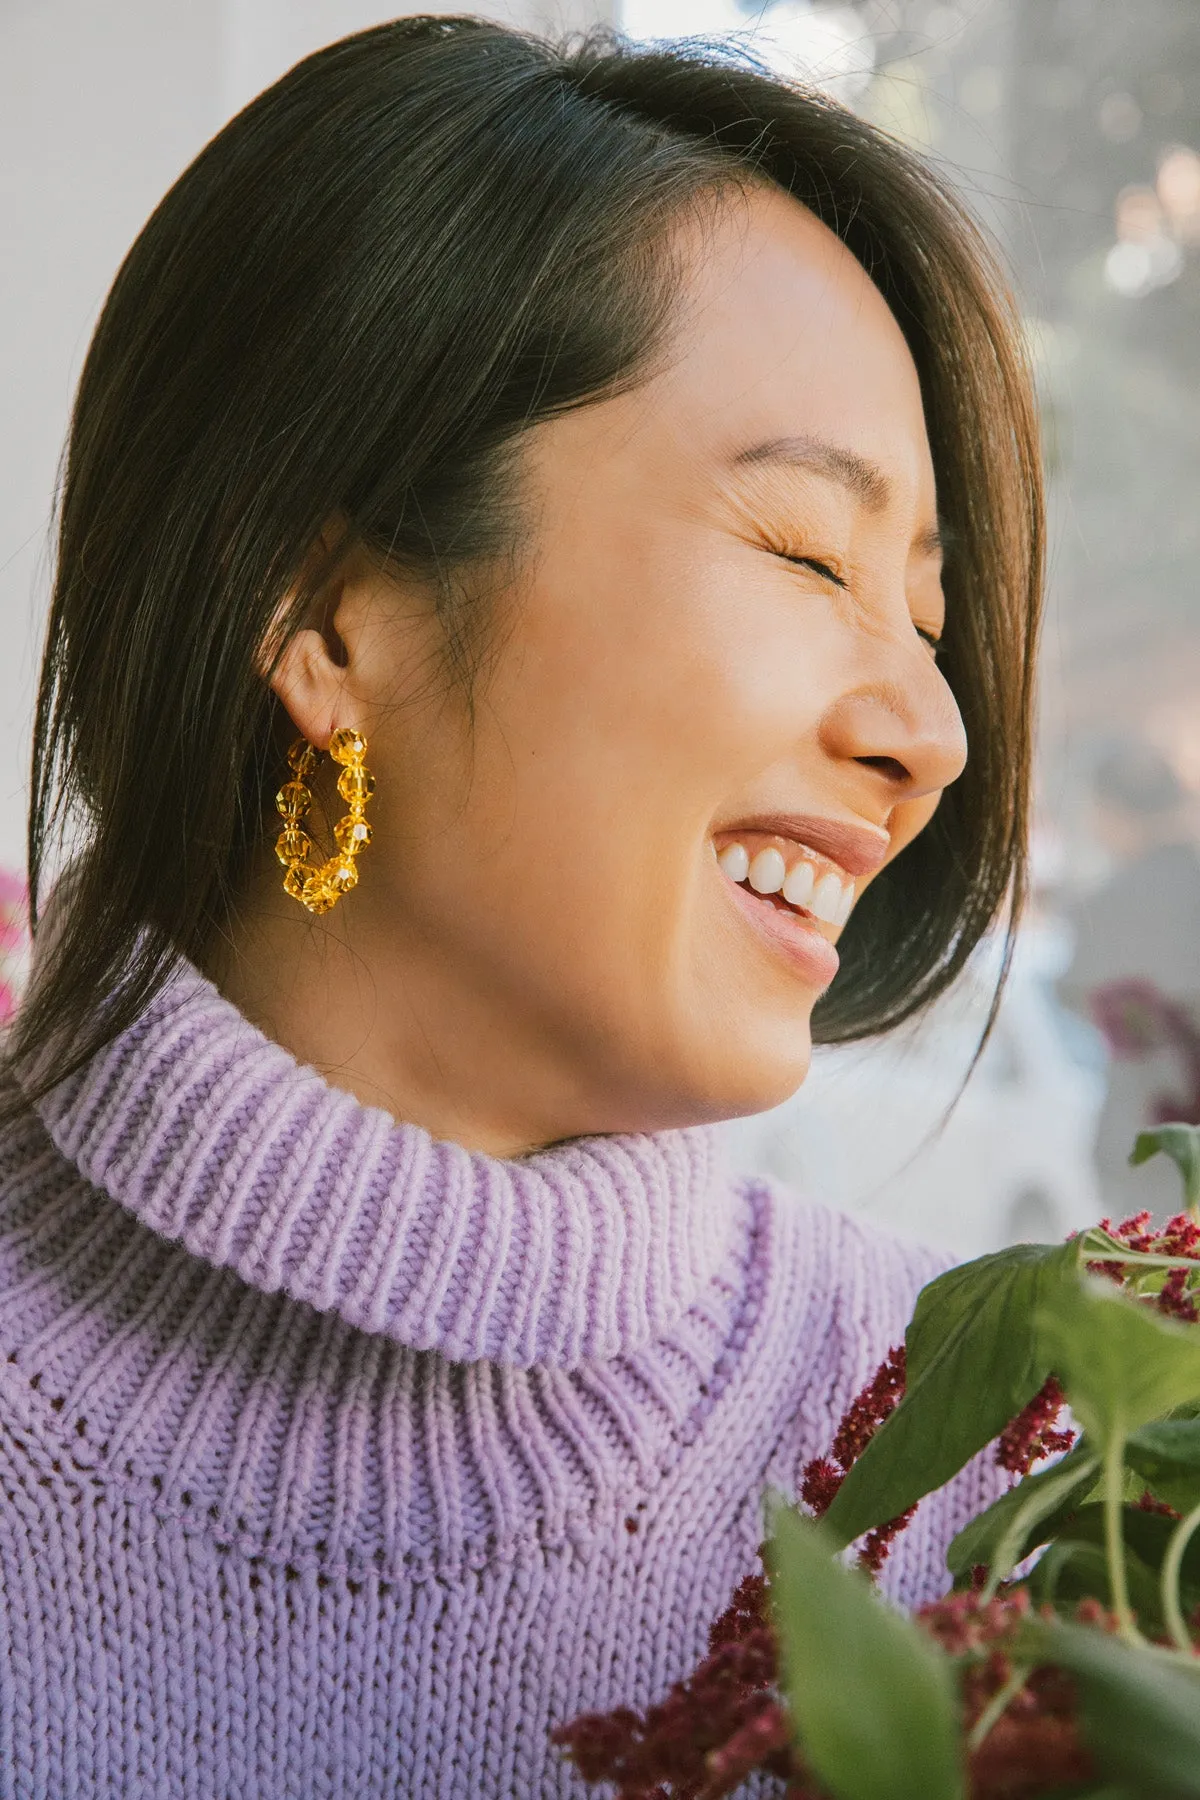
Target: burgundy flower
1031,1435
823,1476
710,1732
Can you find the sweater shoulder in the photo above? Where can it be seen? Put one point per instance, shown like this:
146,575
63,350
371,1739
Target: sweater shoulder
845,1280
840,1291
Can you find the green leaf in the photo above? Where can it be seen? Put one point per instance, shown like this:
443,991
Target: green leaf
1165,1450
1104,1793
1140,1709
1146,1536
1165,1456
974,1360
1121,1362
872,1700
1072,1570
1182,1144
1006,1533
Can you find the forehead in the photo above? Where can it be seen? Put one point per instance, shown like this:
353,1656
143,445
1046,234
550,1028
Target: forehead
780,333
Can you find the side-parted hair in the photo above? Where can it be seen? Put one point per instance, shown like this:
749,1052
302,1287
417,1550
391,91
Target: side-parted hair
417,244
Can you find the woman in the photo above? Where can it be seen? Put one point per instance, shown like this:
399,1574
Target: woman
570,441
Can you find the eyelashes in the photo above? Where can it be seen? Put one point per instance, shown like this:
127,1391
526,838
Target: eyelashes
818,567
829,574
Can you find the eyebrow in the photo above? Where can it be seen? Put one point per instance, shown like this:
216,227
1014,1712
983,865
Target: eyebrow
864,479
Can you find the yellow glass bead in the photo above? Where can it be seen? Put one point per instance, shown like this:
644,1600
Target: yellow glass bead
292,845
340,877
320,889
356,785
293,800
316,895
302,758
352,833
347,745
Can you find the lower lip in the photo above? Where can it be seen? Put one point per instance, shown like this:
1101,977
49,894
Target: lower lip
790,935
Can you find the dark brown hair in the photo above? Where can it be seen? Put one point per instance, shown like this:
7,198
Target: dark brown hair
418,243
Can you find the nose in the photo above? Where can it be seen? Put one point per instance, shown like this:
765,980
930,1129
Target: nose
902,724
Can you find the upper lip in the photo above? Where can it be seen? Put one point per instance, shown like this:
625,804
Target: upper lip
859,849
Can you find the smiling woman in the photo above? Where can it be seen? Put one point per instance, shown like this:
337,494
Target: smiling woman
621,463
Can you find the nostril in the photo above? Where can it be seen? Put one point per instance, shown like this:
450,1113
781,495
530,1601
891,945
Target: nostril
888,767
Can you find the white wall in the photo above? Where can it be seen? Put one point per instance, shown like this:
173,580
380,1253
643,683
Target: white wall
102,103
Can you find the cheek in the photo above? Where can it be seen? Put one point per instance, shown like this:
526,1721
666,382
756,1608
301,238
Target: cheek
666,663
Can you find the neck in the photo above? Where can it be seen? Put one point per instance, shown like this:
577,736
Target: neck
365,1003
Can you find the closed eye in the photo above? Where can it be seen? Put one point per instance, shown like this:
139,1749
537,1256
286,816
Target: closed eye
823,569
818,568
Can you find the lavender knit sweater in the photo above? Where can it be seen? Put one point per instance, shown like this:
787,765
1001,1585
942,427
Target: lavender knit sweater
338,1461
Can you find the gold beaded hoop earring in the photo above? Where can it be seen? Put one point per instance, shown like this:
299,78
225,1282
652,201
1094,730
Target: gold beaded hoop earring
320,889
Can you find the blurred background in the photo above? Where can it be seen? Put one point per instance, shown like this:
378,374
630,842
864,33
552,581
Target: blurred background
1073,129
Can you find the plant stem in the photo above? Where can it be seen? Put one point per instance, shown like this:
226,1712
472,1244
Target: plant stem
1143,1258
1172,1564
1008,1551
1114,1535
999,1704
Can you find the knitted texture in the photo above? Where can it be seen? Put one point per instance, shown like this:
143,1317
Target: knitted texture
337,1461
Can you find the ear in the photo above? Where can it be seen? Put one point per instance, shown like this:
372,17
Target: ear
309,677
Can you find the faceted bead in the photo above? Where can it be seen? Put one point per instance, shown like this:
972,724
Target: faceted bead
347,745
292,845
293,800
356,785
295,881
302,757
352,833
341,877
316,895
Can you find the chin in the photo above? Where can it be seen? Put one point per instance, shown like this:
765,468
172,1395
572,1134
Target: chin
750,1078
761,1089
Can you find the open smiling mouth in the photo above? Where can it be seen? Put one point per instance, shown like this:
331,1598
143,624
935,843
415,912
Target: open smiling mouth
791,896
792,878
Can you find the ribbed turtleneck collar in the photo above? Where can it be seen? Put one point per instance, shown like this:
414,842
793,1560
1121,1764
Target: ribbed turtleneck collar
215,1137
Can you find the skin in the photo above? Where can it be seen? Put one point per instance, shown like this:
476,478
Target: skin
542,944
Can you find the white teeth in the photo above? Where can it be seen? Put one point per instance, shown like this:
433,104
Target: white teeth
827,898
826,902
767,872
798,888
735,861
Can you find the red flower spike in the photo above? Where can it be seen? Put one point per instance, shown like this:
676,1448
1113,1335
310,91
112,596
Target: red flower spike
819,1483
1030,1436
823,1476
1024,1757
753,1747
867,1412
1180,1236
1112,1271
878,1543
1151,1504
1174,1300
